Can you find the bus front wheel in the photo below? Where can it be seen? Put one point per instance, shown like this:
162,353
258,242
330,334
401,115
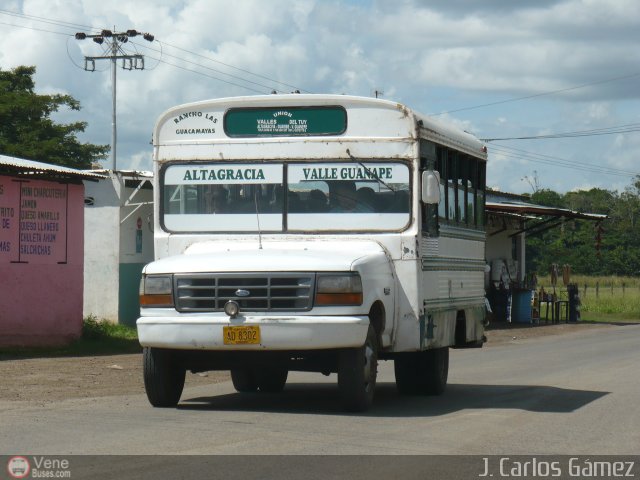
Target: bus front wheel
163,377
357,374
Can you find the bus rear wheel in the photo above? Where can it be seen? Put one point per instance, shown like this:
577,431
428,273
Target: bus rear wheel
272,380
267,380
422,373
244,380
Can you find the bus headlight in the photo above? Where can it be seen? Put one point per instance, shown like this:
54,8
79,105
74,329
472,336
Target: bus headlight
338,289
156,291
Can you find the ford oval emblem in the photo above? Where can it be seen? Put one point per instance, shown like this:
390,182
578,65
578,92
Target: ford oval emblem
242,293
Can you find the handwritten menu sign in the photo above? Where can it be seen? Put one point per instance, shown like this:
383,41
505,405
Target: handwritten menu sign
33,221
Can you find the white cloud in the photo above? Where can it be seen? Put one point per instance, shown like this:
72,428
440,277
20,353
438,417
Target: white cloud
141,161
435,56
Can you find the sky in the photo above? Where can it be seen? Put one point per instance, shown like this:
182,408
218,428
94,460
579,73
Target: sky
499,69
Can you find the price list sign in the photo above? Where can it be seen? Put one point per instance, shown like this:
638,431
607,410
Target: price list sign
33,221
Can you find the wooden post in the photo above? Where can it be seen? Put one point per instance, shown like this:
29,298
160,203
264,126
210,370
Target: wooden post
597,289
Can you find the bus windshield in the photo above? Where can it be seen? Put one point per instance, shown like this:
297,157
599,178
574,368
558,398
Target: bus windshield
292,197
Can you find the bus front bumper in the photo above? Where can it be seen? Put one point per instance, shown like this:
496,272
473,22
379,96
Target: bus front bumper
275,333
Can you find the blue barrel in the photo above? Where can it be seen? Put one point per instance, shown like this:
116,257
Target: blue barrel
521,306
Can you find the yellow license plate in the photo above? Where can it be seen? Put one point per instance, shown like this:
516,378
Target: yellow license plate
249,335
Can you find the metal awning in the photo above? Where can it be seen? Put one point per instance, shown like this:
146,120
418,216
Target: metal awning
25,168
129,174
539,210
537,218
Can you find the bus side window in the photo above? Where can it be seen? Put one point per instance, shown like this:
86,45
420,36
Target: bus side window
462,187
470,186
481,189
452,188
441,167
461,180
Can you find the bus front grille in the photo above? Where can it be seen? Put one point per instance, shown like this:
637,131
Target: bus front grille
259,292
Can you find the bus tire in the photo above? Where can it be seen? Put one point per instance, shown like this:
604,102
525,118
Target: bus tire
436,371
422,373
357,374
163,377
272,380
244,380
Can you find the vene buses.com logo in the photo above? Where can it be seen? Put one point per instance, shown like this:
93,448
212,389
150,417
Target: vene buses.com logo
18,467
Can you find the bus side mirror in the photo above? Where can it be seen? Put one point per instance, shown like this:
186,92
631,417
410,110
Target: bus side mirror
430,187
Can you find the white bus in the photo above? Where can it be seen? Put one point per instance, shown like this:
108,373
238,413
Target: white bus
312,233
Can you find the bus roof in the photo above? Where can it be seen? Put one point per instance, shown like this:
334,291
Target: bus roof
201,124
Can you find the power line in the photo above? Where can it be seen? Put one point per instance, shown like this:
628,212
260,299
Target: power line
519,154
629,128
33,28
536,95
269,88
60,23
203,74
163,53
236,68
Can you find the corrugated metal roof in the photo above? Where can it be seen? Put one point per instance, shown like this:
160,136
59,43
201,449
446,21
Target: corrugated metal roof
503,202
529,208
126,173
20,165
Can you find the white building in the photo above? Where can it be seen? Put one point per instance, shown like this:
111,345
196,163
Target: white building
118,243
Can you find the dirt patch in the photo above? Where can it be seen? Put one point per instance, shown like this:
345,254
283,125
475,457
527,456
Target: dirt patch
53,379
499,334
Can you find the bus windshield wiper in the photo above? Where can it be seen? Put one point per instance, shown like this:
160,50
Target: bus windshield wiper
369,172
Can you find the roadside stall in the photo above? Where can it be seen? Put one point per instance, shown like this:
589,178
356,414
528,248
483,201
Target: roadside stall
514,295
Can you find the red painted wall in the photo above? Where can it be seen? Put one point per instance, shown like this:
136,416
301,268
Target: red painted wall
41,261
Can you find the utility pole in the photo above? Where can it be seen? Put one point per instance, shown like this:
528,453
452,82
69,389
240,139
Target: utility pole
114,40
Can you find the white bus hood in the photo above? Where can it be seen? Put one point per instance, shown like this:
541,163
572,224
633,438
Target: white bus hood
307,256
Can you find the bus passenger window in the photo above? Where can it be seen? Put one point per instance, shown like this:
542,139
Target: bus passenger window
441,168
481,188
472,181
462,189
452,189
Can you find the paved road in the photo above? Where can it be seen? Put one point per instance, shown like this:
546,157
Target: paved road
568,394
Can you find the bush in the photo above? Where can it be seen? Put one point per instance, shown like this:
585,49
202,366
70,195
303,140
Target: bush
94,329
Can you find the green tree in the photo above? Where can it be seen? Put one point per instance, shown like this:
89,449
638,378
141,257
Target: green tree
595,200
27,130
547,197
573,241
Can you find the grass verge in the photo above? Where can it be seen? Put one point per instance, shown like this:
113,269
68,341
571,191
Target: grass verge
98,338
625,318
609,299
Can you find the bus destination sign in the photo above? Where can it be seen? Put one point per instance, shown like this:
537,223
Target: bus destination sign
285,121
